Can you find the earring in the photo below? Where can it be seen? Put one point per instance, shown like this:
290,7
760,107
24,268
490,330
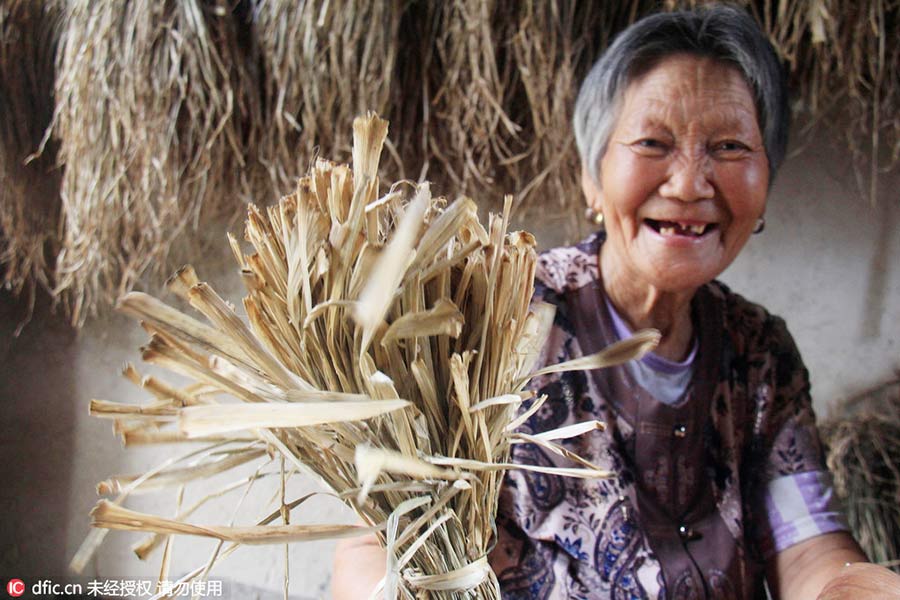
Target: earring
760,225
595,217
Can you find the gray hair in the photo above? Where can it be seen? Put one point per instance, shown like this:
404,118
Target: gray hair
724,33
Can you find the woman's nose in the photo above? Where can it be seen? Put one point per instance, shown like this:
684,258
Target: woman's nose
689,179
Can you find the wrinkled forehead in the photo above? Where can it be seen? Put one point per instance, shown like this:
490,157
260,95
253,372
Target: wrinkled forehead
688,88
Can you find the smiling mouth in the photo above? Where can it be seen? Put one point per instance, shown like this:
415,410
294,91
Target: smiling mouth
678,228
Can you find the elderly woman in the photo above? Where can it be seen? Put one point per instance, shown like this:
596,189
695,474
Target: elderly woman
720,479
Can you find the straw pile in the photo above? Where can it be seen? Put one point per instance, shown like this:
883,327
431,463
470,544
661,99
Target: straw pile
389,343
863,437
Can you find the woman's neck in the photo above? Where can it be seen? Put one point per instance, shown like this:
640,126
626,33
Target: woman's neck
644,306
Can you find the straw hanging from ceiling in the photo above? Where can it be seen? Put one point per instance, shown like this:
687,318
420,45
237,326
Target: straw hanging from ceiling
169,115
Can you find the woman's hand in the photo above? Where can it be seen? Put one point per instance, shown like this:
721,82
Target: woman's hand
817,569
863,580
359,565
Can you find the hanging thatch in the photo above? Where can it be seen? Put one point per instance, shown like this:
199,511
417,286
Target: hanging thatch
863,436
470,128
170,113
154,118
321,65
29,189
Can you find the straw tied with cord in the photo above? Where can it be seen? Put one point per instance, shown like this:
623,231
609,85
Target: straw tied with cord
387,344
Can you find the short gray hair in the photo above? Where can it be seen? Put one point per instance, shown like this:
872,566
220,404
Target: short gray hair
724,33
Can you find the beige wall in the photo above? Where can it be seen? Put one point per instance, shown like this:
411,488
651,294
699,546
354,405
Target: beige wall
827,262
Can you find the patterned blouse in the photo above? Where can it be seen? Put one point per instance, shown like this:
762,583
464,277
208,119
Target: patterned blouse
706,489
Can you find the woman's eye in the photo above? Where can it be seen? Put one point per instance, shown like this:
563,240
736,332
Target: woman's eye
650,143
730,146
652,146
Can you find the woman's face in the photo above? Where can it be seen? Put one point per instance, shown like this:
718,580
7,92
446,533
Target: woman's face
684,176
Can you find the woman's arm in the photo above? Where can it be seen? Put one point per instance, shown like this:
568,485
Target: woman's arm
359,565
816,568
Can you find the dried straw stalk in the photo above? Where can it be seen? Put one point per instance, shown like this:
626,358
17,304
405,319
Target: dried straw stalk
499,81
388,347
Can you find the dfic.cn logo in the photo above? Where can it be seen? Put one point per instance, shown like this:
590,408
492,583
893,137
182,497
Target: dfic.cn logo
15,587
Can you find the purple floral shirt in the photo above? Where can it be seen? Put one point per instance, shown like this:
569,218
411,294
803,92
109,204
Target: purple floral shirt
706,489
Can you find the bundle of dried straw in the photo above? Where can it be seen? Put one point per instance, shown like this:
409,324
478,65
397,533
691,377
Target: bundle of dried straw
863,439
389,343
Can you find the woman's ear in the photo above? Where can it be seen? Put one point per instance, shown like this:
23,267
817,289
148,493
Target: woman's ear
593,196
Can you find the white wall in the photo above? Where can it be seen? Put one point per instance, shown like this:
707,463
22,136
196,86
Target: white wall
827,262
